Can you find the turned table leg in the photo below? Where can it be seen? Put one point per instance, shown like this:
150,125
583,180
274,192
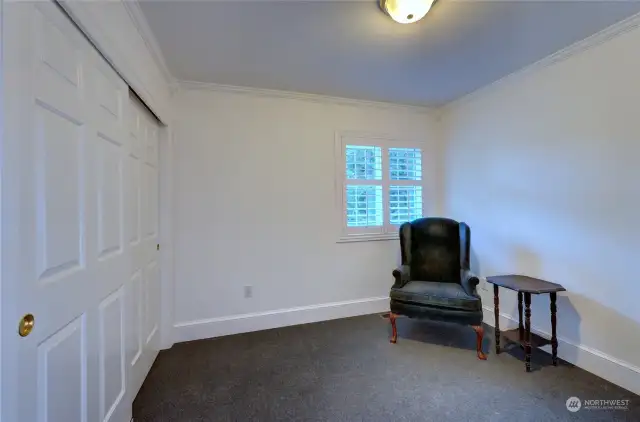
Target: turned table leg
527,331
496,313
554,339
520,326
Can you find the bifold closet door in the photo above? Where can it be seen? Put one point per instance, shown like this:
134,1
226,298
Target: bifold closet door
79,226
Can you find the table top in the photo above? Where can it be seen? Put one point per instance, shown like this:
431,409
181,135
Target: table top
525,284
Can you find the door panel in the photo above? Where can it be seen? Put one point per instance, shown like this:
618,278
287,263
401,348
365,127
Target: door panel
151,199
151,317
62,360
109,189
72,197
135,318
134,199
152,146
59,194
112,357
134,132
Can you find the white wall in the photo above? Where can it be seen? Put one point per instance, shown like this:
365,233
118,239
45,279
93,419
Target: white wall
545,167
255,205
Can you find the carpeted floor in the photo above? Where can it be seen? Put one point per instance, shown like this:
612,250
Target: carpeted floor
346,370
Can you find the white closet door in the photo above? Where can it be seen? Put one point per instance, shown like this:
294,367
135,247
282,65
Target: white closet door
144,300
79,226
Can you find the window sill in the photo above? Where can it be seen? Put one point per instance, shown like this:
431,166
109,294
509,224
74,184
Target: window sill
367,238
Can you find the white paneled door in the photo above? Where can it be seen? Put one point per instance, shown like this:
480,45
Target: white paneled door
79,226
144,286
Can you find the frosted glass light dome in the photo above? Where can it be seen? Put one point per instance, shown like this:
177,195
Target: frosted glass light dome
406,11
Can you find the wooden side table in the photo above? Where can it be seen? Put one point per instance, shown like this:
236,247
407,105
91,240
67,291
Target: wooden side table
522,335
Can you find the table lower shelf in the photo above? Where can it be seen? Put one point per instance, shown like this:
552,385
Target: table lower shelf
513,336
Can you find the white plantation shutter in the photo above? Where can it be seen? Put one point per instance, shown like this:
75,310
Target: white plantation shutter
405,204
363,162
364,205
405,193
405,164
381,184
363,189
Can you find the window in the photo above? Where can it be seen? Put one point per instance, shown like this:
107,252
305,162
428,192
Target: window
380,185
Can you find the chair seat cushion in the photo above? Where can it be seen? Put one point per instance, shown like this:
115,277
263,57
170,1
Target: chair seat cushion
445,295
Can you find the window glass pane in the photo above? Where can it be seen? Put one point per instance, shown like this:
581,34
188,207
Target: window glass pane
405,203
363,162
405,164
364,206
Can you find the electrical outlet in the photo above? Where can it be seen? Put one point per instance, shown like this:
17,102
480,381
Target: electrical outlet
248,292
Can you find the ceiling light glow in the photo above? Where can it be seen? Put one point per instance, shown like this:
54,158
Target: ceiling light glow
406,11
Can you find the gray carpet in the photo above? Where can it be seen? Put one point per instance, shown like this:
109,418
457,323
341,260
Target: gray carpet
346,370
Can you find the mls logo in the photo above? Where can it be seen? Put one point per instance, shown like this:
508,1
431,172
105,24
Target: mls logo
573,404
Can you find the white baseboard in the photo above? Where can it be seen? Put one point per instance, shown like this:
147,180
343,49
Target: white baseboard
216,327
612,369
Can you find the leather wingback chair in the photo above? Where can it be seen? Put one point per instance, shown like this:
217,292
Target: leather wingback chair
434,280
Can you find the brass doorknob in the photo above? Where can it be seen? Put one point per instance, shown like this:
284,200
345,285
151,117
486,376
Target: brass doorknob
26,325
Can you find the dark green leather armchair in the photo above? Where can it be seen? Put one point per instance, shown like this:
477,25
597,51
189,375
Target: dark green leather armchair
434,280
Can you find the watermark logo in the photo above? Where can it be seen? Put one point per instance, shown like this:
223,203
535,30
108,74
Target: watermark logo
573,404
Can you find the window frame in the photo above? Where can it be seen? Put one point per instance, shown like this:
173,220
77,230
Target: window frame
387,231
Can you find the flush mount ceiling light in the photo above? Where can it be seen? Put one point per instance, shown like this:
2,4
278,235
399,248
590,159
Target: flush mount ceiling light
406,11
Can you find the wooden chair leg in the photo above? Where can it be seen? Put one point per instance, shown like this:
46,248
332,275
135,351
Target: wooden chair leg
394,332
479,329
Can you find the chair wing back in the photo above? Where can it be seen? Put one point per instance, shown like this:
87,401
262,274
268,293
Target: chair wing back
435,249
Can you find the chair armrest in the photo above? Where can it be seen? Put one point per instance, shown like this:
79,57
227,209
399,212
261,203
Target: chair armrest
401,275
469,282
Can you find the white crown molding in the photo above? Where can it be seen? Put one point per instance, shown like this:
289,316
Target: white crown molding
141,24
607,34
273,93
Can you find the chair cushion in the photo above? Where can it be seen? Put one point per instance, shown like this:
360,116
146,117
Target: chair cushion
436,313
445,295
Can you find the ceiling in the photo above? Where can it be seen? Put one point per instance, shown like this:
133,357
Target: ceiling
351,49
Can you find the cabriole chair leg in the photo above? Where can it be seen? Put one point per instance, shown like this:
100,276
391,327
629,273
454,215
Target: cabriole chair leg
479,329
394,332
